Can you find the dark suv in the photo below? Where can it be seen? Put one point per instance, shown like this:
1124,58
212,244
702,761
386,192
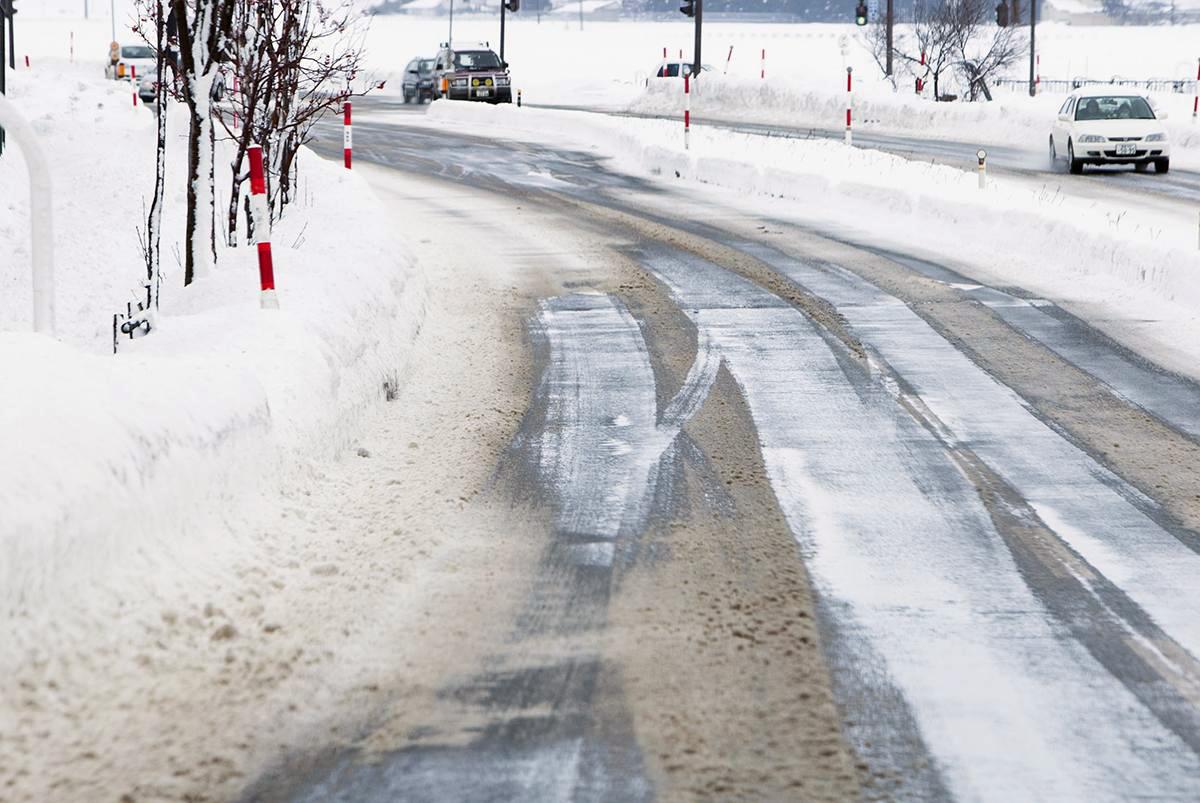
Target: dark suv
418,81
471,72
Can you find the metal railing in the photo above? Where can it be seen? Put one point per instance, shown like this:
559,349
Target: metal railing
1062,85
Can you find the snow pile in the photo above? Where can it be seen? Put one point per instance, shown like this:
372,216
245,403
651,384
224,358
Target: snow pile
1012,120
1024,231
123,472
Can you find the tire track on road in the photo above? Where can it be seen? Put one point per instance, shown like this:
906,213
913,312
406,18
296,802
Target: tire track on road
908,561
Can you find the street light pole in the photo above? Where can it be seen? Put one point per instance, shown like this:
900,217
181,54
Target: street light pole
891,18
1033,4
696,49
112,10
503,6
450,33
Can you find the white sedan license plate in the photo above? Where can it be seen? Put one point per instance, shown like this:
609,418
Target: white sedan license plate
1126,148
483,93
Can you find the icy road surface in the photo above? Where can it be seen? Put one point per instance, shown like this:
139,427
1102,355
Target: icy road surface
820,522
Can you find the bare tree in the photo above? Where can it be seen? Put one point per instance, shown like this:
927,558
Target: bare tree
152,27
203,39
292,61
951,37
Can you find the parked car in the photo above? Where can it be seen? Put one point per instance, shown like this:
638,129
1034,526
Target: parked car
148,88
1101,125
418,80
127,59
677,69
472,72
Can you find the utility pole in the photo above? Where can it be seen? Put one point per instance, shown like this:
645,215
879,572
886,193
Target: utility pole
1033,5
450,33
112,10
506,5
5,10
891,18
696,50
581,15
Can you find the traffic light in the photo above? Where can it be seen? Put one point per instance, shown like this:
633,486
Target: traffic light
860,13
512,5
1002,13
688,7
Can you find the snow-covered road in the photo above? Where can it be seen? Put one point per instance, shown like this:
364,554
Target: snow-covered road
993,517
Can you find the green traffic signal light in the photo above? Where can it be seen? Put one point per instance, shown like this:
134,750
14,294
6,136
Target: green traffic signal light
860,14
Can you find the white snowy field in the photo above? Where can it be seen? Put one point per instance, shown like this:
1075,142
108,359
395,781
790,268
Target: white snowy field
1126,262
606,64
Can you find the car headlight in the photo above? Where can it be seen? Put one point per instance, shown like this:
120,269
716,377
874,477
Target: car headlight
1157,137
1091,138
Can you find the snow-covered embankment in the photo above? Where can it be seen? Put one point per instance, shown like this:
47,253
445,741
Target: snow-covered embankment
123,474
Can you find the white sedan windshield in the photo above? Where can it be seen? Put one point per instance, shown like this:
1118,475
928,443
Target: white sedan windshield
1130,107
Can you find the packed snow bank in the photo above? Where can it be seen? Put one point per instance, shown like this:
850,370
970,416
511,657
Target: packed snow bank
125,472
1095,248
1013,119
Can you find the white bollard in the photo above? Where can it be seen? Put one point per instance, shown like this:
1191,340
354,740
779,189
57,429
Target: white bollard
1196,98
687,112
262,228
347,135
982,155
849,103
41,223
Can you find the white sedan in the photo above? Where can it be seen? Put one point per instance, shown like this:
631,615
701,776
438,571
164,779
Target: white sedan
1110,125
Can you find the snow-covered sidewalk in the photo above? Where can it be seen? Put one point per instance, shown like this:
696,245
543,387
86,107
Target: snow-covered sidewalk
125,474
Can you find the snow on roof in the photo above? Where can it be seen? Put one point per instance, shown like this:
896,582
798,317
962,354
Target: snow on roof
424,5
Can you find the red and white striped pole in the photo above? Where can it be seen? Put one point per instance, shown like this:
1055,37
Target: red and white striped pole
1196,99
664,52
72,47
262,228
1037,75
920,80
687,112
681,53
133,80
762,69
27,62
849,101
728,59
347,137
237,100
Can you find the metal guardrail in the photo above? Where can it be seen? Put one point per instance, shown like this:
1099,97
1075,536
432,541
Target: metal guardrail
1180,87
